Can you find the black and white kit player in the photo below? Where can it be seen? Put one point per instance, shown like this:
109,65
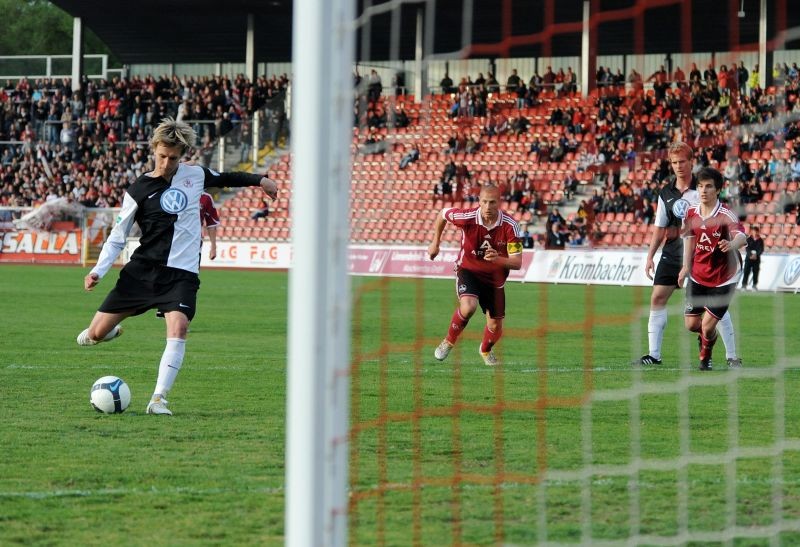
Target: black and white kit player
671,208
672,205
163,271
167,214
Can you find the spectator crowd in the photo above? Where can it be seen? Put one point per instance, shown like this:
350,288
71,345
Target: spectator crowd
90,144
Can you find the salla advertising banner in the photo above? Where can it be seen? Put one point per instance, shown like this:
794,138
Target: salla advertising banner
63,247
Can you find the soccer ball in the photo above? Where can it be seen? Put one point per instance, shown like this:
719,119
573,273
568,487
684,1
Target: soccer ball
110,395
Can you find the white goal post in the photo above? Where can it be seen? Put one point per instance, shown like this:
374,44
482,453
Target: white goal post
319,297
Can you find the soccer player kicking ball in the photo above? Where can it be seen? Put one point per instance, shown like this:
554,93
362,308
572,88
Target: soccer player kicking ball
712,236
163,271
491,246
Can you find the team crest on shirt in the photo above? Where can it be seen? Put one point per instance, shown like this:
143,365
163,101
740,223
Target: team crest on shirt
680,207
462,289
174,201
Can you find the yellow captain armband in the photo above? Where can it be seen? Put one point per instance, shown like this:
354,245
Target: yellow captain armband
514,248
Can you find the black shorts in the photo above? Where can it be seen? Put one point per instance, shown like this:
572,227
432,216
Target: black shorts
490,298
142,286
714,300
667,272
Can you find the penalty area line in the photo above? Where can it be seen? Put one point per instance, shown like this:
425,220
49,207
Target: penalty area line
179,490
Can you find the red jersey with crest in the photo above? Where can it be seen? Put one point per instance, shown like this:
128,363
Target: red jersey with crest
503,236
711,267
208,213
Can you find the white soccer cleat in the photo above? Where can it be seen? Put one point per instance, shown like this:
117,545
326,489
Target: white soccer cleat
84,340
734,362
488,357
116,332
158,405
443,350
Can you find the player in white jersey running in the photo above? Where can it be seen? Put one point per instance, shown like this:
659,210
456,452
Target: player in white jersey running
163,271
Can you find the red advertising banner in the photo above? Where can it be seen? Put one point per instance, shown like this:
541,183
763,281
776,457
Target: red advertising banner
413,262
63,247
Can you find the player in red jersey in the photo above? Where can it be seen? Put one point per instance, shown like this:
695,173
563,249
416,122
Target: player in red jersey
210,218
712,236
491,246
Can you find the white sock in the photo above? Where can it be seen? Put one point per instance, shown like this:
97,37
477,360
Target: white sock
655,331
171,361
728,334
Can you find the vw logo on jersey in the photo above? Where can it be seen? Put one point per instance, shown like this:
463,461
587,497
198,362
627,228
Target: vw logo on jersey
792,272
174,201
680,207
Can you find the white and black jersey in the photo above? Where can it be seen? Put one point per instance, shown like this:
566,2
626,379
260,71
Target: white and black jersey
672,207
168,214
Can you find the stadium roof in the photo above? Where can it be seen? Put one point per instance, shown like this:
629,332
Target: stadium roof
196,31
186,31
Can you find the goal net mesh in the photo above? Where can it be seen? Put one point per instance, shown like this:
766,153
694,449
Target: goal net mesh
566,442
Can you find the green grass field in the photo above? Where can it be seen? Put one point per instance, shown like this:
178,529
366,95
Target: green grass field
441,453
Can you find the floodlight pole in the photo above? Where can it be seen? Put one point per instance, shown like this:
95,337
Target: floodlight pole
762,45
586,68
319,294
77,53
250,49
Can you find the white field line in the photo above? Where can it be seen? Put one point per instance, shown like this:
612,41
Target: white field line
186,490
178,490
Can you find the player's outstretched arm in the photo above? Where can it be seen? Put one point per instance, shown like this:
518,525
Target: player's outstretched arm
238,179
438,228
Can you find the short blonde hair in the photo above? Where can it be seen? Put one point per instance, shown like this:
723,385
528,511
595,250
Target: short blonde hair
489,187
173,133
680,147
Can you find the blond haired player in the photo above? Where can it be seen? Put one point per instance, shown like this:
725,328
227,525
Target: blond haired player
163,270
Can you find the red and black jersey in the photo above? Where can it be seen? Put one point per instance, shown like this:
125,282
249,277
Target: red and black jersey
208,213
503,236
711,267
